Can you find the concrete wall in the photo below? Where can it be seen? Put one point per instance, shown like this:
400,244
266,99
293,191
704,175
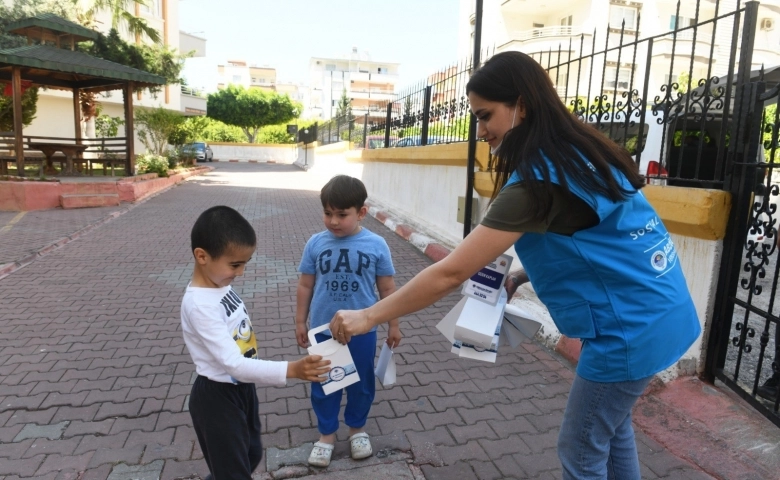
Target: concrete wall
420,186
254,152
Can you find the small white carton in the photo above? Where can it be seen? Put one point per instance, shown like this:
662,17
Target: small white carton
343,372
478,321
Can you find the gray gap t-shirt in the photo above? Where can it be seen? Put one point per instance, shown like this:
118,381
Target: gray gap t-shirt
346,269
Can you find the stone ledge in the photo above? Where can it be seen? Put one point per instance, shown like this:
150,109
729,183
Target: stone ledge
87,200
33,195
690,212
449,154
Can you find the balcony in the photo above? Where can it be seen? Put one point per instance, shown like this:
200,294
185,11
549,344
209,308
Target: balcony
544,38
372,94
193,102
372,111
373,77
524,8
189,43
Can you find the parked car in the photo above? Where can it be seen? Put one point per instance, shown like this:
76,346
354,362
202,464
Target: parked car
416,140
199,150
378,141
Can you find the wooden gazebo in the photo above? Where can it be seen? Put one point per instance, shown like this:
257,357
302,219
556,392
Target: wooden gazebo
40,64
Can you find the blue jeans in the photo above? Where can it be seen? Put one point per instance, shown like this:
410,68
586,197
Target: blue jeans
596,439
360,395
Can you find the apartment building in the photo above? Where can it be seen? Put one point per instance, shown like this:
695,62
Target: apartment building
298,92
163,15
239,72
554,30
369,84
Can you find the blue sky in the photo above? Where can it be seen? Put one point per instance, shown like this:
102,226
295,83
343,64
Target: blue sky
421,35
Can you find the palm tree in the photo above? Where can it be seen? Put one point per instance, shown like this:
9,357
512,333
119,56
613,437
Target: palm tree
120,15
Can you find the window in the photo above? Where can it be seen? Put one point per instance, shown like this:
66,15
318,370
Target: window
537,33
623,78
619,14
676,22
381,70
236,78
330,67
152,7
254,80
566,21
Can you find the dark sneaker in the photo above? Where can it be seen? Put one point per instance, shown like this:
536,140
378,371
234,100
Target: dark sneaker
770,388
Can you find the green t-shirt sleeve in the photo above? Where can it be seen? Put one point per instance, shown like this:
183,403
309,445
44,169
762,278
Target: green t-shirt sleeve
510,212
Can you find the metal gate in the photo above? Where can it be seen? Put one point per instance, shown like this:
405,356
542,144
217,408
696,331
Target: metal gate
744,344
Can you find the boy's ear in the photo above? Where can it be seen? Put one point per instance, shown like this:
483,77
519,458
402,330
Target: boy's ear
362,212
201,256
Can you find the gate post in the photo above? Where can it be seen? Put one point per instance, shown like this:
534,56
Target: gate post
387,124
740,181
365,131
426,120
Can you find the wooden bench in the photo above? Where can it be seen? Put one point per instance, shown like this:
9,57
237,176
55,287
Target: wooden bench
106,161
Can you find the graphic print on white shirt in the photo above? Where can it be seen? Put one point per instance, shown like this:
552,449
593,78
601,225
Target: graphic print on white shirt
242,334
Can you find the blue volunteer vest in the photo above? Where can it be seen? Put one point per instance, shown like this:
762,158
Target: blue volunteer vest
617,286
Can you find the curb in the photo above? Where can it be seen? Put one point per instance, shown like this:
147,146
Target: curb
568,348
430,247
12,267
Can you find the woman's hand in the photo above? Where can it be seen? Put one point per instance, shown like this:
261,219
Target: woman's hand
347,323
513,281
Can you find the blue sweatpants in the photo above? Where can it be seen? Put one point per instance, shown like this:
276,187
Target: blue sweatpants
360,395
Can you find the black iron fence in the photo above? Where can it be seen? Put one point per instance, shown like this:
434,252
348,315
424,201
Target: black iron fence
433,111
662,97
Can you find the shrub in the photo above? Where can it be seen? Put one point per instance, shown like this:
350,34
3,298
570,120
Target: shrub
149,163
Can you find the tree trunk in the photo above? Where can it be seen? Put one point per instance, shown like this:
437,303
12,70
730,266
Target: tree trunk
89,127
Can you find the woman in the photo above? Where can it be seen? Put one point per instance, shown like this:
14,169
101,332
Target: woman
593,248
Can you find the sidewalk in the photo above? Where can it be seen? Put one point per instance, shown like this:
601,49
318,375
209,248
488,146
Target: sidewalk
94,376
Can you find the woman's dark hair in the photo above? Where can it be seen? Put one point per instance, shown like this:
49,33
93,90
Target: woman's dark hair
549,128
343,192
220,228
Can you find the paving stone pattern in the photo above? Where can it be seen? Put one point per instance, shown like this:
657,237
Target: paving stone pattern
94,375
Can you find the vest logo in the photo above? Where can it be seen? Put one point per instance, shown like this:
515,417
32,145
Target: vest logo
658,260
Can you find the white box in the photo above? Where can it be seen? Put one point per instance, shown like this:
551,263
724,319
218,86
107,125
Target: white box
478,321
343,372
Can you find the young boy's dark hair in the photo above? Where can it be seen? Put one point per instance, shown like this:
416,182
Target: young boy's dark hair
343,192
220,227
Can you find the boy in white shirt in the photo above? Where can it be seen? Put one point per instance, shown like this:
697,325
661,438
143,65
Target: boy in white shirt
219,336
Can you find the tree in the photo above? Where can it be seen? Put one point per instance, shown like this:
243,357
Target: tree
29,108
17,10
156,126
156,59
251,109
120,16
344,107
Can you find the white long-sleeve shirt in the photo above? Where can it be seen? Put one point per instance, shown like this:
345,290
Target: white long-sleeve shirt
221,341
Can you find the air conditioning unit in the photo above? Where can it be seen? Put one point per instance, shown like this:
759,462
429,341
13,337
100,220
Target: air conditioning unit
767,23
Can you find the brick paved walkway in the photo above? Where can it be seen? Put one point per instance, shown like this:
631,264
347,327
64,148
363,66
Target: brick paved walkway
94,376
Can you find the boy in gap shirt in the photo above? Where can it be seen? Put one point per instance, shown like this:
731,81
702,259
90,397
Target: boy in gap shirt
339,269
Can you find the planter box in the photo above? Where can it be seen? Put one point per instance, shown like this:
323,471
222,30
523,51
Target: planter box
32,195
